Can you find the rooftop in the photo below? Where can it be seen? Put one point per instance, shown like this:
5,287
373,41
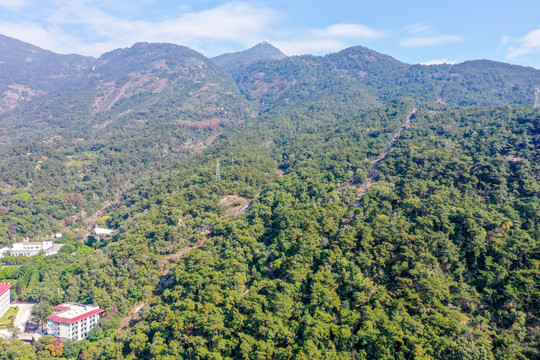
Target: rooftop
103,231
4,288
34,242
74,312
55,247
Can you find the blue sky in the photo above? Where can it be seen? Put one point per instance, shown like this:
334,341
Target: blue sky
411,31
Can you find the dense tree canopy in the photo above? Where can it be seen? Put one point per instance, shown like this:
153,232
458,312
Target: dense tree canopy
282,258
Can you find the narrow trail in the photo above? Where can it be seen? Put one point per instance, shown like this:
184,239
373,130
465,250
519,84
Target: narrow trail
370,181
92,219
165,264
167,260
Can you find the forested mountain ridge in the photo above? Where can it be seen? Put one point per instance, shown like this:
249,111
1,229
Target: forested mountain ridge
439,260
170,82
374,78
177,77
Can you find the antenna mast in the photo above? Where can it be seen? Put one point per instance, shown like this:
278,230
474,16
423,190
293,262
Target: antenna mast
537,97
218,174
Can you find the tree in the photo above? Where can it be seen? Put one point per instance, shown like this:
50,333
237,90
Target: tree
14,329
42,310
55,347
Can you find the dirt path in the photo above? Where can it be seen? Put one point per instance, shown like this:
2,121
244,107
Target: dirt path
166,263
178,255
370,181
133,314
92,219
89,221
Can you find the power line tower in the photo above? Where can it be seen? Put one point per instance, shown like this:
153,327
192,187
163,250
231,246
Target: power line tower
537,97
218,174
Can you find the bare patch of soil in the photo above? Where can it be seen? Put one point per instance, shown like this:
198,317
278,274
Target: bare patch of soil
236,205
513,158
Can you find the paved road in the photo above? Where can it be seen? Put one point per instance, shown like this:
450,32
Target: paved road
20,320
23,315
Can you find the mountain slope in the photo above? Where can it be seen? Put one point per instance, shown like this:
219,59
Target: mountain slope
171,76
152,81
134,113
438,260
28,72
444,246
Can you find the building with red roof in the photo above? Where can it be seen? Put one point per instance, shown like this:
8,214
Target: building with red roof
5,298
72,320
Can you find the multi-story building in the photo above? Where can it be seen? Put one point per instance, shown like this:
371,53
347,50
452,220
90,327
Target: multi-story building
31,248
5,298
73,321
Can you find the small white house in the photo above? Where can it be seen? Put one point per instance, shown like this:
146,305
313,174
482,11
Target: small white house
5,298
102,233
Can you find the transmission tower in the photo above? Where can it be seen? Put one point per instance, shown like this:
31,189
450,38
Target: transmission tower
537,97
218,174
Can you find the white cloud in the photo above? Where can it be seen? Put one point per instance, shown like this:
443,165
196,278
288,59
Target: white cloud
36,35
429,40
419,28
530,43
422,35
92,27
11,4
504,40
241,23
332,38
348,30
439,62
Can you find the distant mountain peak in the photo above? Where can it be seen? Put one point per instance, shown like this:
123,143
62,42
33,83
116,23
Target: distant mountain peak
266,44
262,51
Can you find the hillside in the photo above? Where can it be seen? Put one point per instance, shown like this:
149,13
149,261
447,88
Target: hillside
286,256
154,81
29,72
91,136
440,249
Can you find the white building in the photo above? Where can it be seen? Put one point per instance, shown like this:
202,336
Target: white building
5,298
102,233
4,251
73,321
31,248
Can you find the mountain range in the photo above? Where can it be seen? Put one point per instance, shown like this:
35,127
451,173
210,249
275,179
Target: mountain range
264,206
175,83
